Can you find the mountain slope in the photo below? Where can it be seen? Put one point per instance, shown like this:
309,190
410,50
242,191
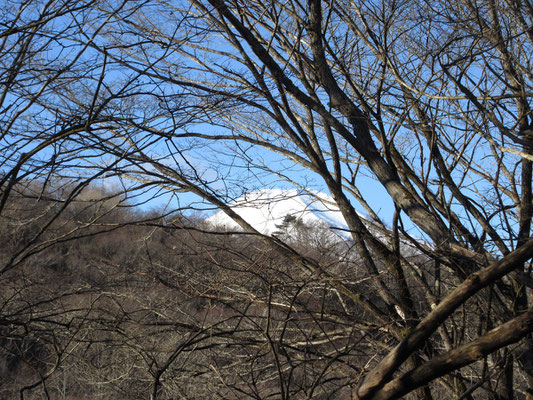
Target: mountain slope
270,210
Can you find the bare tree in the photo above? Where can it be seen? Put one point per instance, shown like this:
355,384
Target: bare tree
428,102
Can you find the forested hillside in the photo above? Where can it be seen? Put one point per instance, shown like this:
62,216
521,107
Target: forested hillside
124,304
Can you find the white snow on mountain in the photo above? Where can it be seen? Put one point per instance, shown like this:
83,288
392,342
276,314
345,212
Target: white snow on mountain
269,210
266,210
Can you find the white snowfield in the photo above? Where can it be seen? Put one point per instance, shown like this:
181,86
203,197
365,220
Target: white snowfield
267,209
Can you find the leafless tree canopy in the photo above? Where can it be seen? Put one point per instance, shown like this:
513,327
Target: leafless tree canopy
416,114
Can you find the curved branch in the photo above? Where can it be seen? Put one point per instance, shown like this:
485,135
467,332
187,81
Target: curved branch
473,284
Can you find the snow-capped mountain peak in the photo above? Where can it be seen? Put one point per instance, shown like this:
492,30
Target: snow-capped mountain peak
270,210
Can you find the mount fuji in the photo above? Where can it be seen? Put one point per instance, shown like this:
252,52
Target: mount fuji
292,215
269,209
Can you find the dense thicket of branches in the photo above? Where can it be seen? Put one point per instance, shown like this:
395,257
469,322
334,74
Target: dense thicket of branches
426,103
